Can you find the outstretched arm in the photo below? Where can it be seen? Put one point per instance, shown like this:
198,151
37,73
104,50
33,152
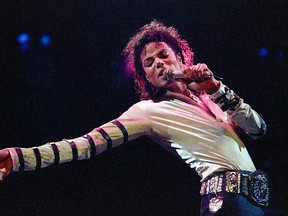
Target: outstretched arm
132,124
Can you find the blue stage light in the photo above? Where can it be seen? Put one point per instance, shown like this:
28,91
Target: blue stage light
263,52
23,38
45,40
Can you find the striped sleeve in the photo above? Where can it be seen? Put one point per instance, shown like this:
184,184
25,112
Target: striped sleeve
132,124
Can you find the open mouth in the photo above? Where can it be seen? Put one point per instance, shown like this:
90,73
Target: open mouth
161,73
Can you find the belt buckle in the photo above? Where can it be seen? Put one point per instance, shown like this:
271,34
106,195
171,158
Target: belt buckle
233,182
259,188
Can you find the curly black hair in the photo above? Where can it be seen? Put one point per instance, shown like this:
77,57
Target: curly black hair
154,31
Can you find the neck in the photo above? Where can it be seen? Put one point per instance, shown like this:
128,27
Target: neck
180,88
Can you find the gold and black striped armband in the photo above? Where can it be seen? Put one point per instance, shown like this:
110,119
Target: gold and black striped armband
56,154
123,130
74,150
108,139
38,158
20,158
92,145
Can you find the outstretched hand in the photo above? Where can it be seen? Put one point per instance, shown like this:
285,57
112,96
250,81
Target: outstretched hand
5,163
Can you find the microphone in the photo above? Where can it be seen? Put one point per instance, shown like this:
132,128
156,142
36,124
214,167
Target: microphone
171,75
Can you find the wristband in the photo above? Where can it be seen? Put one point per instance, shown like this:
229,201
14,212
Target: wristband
228,101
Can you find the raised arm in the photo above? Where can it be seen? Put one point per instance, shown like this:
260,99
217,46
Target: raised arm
247,119
242,115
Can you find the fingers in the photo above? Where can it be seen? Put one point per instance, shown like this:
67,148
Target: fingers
6,164
2,173
199,72
201,78
4,155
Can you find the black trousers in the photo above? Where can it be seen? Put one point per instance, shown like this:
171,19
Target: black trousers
233,204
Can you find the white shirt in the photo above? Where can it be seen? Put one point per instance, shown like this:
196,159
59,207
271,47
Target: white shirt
202,135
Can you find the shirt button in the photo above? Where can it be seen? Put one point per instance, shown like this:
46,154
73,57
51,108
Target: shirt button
195,98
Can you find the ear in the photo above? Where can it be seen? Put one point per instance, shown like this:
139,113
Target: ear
147,78
179,59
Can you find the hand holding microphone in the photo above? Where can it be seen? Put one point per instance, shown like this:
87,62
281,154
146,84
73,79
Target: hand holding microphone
195,73
199,77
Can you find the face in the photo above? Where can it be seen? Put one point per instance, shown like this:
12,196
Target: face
156,58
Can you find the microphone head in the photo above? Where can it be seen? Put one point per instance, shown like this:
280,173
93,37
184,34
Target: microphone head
169,75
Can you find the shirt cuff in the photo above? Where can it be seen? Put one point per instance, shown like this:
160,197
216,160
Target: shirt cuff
219,92
15,159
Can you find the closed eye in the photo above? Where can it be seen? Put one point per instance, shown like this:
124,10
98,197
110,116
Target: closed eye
163,54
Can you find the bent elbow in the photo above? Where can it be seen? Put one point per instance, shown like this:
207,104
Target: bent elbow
261,133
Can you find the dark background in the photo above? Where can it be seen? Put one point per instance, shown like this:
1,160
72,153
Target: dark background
78,83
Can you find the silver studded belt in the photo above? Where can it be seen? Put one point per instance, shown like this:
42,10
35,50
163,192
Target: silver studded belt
250,184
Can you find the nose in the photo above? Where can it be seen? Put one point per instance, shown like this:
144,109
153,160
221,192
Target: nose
159,62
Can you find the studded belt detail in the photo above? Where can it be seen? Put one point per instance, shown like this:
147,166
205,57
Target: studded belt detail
254,185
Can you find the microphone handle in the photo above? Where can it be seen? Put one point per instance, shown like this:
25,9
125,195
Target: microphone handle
171,75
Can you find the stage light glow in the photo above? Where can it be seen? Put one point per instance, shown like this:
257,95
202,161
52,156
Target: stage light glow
263,52
45,40
23,38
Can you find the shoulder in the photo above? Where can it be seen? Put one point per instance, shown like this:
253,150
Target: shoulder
147,104
150,106
143,105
